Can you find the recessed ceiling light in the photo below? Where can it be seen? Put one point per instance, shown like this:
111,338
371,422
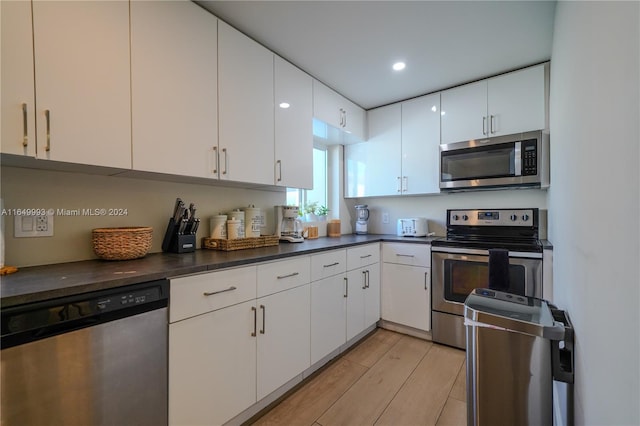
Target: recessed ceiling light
284,105
399,66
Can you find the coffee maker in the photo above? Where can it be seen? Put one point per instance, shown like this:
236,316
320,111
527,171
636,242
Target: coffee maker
288,226
362,214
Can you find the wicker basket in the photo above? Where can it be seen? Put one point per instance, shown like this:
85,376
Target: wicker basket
122,243
240,243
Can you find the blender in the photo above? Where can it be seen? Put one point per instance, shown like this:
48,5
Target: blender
362,215
288,226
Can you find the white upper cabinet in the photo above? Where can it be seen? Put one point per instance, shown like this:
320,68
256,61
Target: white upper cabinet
510,103
401,156
174,88
293,126
245,108
335,110
18,98
82,75
421,145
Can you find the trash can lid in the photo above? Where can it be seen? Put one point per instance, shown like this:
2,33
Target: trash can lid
511,312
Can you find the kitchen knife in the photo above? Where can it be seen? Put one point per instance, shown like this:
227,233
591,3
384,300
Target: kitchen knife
195,226
176,207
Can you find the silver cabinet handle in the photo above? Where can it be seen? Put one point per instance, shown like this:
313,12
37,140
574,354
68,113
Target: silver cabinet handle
216,160
368,279
264,310
365,256
484,125
255,321
345,117
399,185
219,291
404,255
279,164
405,184
47,115
226,161
364,280
491,121
346,287
25,127
281,277
426,286
331,264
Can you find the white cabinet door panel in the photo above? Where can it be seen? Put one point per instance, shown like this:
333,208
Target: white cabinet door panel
464,111
372,295
356,281
406,295
328,316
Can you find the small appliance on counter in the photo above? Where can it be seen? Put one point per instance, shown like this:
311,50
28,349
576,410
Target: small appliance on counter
362,214
180,236
288,226
413,227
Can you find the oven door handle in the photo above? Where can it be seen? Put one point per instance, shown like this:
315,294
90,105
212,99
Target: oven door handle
458,250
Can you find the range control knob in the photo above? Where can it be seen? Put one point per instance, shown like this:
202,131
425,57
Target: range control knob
525,217
513,217
465,217
454,217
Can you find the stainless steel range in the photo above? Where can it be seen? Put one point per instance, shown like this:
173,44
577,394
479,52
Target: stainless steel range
460,263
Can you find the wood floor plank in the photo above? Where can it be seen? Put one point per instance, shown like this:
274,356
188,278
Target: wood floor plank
422,397
454,413
309,402
459,390
373,348
363,403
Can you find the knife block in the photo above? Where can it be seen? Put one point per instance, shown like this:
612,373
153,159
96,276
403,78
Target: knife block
177,243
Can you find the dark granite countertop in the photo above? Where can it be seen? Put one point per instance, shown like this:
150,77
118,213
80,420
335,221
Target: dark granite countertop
37,283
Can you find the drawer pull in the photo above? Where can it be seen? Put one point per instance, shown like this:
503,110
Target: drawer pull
365,256
404,255
264,310
255,321
281,277
332,264
346,287
219,291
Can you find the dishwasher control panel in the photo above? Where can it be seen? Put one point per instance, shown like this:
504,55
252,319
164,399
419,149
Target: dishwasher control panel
123,300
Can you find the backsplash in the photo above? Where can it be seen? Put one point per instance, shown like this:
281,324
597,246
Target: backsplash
147,203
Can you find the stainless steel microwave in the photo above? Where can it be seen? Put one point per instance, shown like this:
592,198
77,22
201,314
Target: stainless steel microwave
513,161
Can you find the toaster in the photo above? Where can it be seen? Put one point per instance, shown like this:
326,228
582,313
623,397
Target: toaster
412,227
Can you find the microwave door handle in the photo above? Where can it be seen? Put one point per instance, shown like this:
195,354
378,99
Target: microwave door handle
517,158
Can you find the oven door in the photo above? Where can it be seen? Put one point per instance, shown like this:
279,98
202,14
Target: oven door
456,272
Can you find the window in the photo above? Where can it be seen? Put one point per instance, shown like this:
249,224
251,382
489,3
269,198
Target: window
303,197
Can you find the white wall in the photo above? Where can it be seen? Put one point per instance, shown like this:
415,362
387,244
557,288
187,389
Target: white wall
594,201
148,203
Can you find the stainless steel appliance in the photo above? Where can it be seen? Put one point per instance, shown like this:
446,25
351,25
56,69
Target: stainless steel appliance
362,214
460,263
513,355
412,227
288,226
520,160
92,359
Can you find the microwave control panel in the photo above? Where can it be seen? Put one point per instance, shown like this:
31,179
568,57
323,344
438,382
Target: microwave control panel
529,158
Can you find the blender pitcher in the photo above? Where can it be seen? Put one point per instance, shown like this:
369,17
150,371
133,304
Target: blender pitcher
362,214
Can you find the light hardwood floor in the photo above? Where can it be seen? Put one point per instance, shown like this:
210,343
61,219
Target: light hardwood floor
387,379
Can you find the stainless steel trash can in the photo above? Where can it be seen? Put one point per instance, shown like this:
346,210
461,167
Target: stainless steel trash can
510,341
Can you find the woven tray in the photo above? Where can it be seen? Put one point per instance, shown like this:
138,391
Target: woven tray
240,243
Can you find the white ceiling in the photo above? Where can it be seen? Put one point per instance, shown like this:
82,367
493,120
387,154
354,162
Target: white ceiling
351,45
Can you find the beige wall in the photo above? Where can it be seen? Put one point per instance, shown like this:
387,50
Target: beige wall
148,203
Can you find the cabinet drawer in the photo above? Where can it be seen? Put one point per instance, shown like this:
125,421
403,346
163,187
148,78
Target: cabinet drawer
278,276
196,294
362,256
407,254
328,264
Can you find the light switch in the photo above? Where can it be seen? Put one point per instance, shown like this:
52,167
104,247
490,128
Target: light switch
33,226
27,223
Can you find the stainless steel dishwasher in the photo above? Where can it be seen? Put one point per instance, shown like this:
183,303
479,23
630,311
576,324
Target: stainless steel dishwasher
97,358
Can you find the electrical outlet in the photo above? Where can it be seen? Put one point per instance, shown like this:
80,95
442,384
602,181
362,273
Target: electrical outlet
33,226
385,218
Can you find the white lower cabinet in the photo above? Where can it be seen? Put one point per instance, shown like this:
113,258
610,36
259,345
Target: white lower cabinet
328,315
283,338
406,285
363,298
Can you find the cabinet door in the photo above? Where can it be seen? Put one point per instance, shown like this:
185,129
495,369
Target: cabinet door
421,145
212,366
284,334
464,111
517,101
82,75
355,122
175,116
245,108
406,295
328,315
356,286
327,105
18,99
372,295
293,126
373,167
